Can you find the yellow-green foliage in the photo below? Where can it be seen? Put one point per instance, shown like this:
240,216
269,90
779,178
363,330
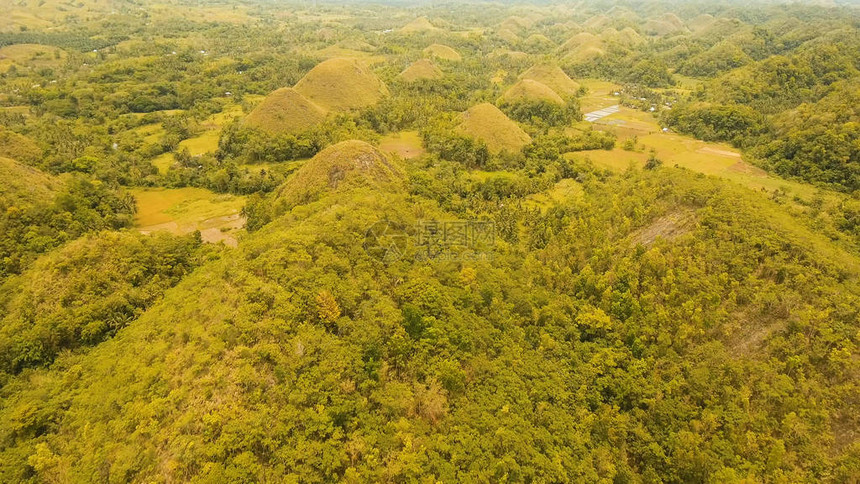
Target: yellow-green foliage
341,84
421,24
346,164
553,77
422,69
285,111
487,123
85,292
443,52
528,90
18,147
22,184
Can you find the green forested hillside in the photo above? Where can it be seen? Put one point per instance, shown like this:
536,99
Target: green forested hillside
719,352
437,243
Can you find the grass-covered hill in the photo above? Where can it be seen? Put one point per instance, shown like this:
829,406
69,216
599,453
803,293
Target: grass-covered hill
443,52
488,124
420,24
423,69
85,292
346,164
285,111
553,77
341,84
528,90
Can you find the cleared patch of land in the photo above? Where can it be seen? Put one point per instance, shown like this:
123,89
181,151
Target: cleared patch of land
598,96
184,210
717,159
207,142
405,144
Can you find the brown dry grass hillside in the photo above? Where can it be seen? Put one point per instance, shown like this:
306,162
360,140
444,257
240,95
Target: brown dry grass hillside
583,47
553,77
341,84
347,164
421,24
422,69
528,90
487,123
285,111
441,51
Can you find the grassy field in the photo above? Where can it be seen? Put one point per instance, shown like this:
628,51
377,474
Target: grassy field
405,144
207,141
184,210
203,143
151,133
717,159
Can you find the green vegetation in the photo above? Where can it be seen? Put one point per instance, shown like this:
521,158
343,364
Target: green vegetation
111,277
457,242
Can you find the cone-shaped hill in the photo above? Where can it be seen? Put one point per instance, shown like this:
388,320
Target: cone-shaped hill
421,24
341,84
528,90
422,69
345,165
487,123
285,111
552,77
583,47
443,52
